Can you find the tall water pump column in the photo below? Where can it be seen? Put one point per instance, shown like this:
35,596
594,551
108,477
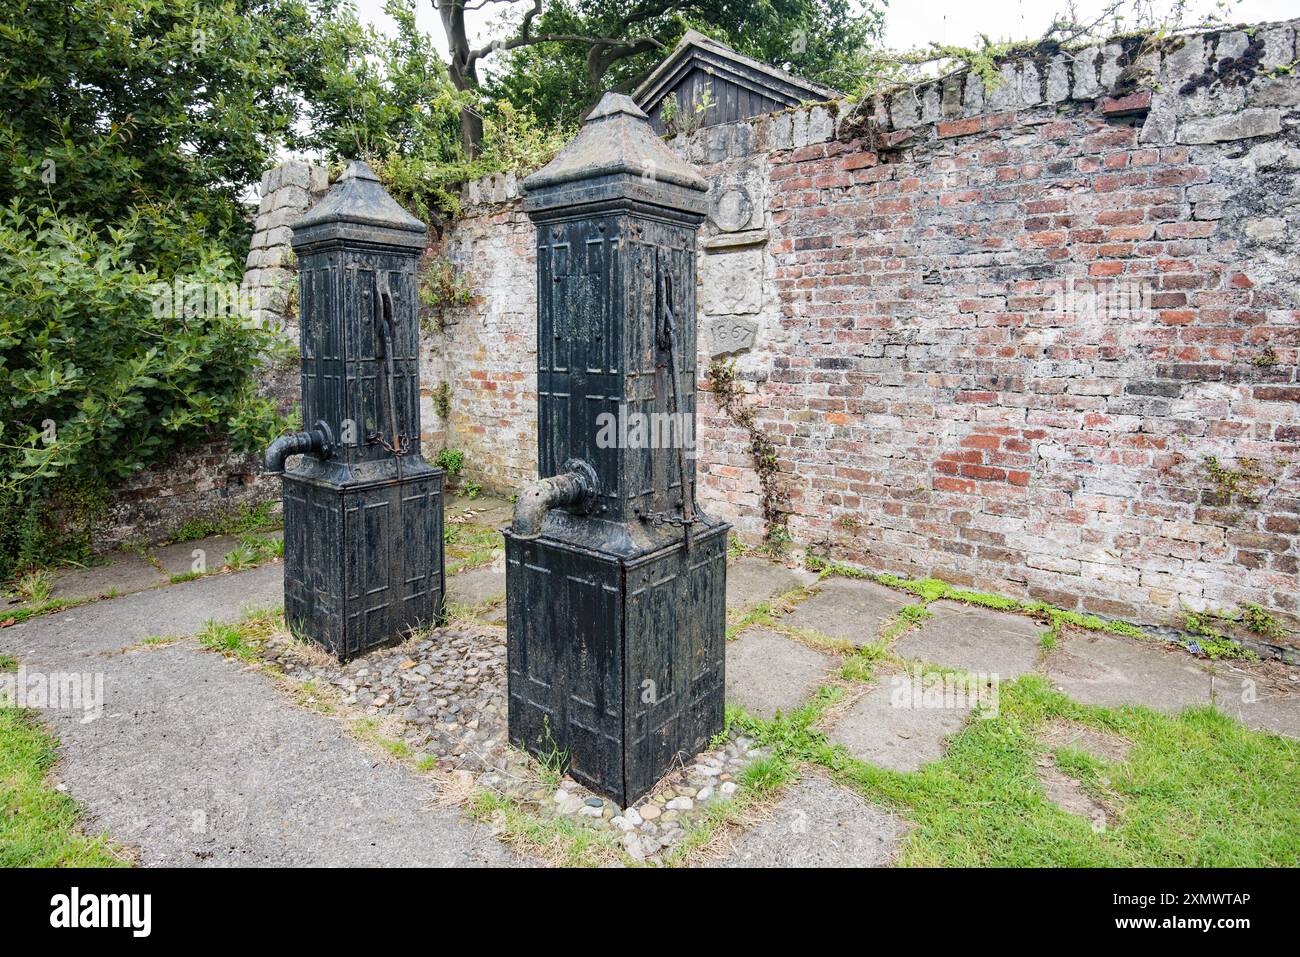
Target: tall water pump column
362,508
615,580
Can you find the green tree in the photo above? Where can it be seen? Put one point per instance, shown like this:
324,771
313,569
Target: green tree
166,109
558,58
132,131
132,135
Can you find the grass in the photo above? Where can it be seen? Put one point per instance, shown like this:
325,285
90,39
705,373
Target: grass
158,640
766,776
558,841
35,585
18,615
468,546
1197,789
861,665
908,617
245,639
368,729
253,550
38,824
760,614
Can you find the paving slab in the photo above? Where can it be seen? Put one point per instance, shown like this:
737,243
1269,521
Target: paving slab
848,608
974,639
478,586
1279,714
767,672
200,761
820,824
126,573
752,581
889,727
179,558
1108,670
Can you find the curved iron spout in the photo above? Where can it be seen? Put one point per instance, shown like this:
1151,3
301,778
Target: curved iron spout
319,440
575,486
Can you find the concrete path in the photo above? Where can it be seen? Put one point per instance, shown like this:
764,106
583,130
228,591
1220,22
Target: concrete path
127,572
197,761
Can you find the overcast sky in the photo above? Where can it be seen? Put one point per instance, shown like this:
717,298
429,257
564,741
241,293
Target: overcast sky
912,23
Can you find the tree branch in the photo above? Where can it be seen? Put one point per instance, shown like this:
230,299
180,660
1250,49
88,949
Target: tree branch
626,47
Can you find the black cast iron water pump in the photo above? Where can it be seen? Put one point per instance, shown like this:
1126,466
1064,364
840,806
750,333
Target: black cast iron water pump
363,520
615,580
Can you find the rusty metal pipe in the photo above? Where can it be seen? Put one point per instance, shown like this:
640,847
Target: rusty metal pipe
318,440
575,486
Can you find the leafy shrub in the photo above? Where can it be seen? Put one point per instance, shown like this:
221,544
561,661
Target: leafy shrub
425,174
94,384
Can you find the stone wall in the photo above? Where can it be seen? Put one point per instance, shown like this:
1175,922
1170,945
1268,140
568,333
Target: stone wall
270,271
1036,337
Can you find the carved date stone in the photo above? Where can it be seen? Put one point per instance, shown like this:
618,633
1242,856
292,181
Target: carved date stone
731,335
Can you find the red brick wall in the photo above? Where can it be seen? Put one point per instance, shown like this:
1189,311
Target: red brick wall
486,352
937,413
934,407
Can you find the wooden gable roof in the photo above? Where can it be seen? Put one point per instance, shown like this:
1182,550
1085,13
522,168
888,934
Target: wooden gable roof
737,85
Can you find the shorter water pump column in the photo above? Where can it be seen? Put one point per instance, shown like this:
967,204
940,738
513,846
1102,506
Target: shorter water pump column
615,580
362,508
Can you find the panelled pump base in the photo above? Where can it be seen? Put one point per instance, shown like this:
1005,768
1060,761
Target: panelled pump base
615,581
362,508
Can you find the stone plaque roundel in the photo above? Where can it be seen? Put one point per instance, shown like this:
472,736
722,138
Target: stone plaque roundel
732,209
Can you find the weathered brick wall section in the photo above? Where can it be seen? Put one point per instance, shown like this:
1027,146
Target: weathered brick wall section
934,409
208,481
893,282
486,352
